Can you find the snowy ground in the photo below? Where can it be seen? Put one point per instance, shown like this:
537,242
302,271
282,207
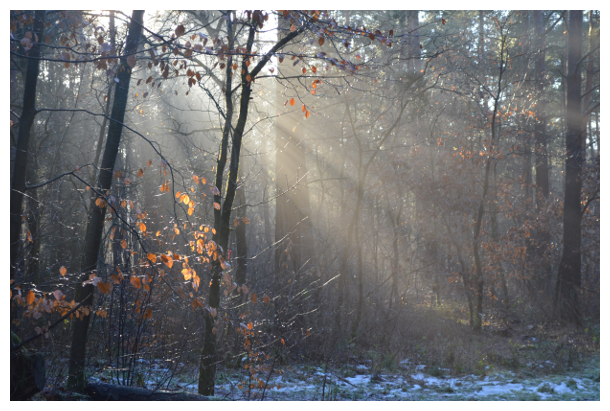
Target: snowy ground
407,382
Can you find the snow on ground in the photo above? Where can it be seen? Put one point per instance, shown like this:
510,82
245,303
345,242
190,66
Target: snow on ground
408,382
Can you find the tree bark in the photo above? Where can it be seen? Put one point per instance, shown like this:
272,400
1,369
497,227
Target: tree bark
95,223
241,260
568,278
25,126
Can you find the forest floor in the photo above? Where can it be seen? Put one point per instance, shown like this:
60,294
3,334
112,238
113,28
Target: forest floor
406,381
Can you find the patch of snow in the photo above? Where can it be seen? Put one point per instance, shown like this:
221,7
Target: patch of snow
359,379
561,389
420,367
293,388
499,389
362,367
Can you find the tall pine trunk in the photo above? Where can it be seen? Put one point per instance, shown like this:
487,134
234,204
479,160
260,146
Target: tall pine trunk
568,278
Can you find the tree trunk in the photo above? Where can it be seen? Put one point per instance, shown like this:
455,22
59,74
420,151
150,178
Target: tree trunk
25,126
222,217
414,52
527,158
541,237
95,223
292,207
568,278
588,93
241,259
207,357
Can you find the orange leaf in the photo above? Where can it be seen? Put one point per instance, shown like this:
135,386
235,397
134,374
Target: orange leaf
307,114
142,227
152,257
250,326
292,101
63,270
253,297
248,77
115,279
149,163
140,173
283,343
135,281
30,237
217,206
314,69
196,179
245,220
304,70
104,288
236,222
30,297
124,244
168,261
303,108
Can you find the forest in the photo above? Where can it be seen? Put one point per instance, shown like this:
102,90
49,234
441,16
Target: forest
305,205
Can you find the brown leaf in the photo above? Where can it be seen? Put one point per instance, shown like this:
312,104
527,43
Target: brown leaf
135,281
179,30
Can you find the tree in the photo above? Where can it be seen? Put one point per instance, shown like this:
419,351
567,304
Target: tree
31,44
568,277
95,222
